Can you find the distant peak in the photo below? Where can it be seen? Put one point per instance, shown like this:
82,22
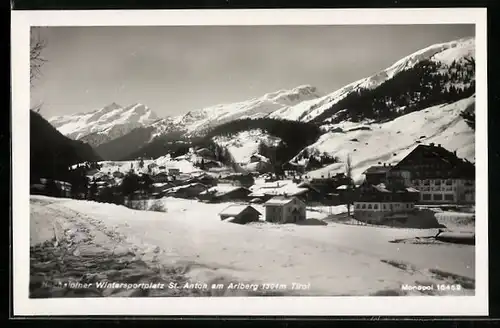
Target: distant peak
137,107
306,88
113,106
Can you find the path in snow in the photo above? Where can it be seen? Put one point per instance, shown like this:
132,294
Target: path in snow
333,260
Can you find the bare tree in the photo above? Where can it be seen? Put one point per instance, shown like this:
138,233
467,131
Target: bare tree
36,60
37,46
348,174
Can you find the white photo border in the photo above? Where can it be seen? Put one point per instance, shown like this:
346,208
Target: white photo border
22,21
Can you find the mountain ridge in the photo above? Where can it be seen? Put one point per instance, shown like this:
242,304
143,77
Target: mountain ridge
438,74
444,52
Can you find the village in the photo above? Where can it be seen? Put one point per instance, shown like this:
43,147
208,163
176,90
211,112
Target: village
389,194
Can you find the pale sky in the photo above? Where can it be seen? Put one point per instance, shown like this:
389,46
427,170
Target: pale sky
173,70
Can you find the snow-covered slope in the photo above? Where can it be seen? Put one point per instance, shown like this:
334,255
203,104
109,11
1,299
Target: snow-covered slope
104,124
458,52
332,259
246,143
113,121
370,143
253,108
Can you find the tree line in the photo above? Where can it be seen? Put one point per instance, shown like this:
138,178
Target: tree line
293,135
132,187
426,84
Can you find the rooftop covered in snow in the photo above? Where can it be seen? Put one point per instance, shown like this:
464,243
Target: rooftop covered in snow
279,201
235,210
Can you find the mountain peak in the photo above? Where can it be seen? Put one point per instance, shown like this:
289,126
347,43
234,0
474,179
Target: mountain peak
305,88
460,52
104,124
112,106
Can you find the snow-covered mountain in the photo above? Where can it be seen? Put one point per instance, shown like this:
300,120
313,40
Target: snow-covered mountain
113,121
199,120
105,124
422,93
371,143
446,59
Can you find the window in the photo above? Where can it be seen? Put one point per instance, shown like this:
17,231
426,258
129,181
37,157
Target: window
369,206
356,206
375,207
426,182
438,197
383,206
363,206
448,182
437,182
426,196
448,197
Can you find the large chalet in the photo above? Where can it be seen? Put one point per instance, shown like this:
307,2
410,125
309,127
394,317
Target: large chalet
428,174
439,175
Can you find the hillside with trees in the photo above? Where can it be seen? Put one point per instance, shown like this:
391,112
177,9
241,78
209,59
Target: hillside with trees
294,136
51,153
169,143
130,142
426,84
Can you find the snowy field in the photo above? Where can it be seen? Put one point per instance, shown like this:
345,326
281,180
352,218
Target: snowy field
369,144
244,144
331,259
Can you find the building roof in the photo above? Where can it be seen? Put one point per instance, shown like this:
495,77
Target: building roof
279,200
382,187
235,210
377,169
161,184
222,189
291,164
285,187
458,167
308,185
187,186
260,157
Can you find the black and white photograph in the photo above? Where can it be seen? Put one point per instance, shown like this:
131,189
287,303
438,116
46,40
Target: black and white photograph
255,162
